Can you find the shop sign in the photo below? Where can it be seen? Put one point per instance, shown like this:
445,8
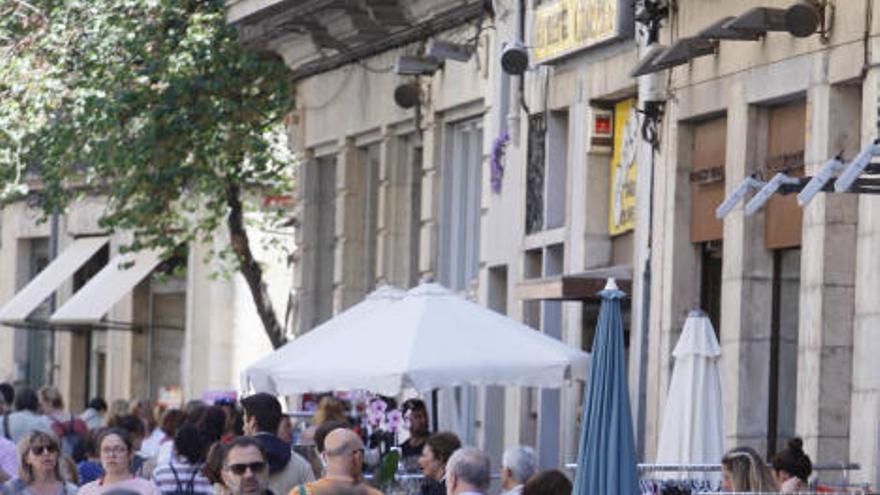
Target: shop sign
622,210
564,26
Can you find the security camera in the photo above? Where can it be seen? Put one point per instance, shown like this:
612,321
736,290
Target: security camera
766,192
738,194
817,183
445,50
416,66
515,58
855,168
803,18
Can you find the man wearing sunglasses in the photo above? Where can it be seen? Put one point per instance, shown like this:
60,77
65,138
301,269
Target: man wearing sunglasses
245,470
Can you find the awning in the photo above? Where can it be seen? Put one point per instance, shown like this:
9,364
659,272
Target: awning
94,300
582,286
17,310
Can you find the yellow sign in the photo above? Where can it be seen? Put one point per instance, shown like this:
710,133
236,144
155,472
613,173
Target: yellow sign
563,26
621,218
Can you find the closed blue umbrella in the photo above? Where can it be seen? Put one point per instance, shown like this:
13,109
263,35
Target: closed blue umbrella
607,454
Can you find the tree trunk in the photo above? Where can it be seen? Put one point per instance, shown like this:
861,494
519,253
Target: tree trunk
249,267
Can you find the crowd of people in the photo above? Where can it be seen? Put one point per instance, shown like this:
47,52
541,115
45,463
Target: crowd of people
251,447
230,448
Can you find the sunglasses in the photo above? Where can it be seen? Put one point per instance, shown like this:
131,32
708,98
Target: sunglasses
255,467
41,449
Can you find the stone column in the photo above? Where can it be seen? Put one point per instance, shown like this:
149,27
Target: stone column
865,407
675,279
827,279
350,190
746,291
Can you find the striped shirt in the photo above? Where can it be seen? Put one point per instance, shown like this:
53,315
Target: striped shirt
180,477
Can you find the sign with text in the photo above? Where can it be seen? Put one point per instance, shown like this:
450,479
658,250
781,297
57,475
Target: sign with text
621,217
565,26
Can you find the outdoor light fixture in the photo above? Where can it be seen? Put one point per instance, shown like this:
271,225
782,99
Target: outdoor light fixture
817,183
720,31
769,189
445,50
416,66
684,50
646,64
801,20
515,58
855,168
738,194
407,95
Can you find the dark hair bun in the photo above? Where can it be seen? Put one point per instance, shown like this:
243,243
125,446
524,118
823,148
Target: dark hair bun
796,445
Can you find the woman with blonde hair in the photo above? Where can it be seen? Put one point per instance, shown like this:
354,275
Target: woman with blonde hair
744,471
39,469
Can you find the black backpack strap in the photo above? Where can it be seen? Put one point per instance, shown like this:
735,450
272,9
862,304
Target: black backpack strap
176,478
192,479
6,432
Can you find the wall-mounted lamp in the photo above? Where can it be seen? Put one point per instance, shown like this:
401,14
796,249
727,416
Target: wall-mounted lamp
515,58
407,95
738,195
647,64
817,183
720,31
801,19
855,168
769,189
445,50
684,50
416,66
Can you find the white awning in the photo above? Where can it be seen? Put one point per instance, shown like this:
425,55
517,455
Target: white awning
105,289
17,310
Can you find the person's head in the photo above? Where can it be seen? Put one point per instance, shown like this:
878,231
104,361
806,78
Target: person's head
285,429
171,420
211,424
792,462
116,450
50,399
551,482
518,464
744,471
330,409
91,444
468,470
343,453
134,426
438,448
7,394
245,470
262,413
98,404
214,463
143,409
118,407
26,400
38,457
417,414
188,444
322,431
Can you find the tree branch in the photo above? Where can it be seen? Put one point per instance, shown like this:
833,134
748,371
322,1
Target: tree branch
249,267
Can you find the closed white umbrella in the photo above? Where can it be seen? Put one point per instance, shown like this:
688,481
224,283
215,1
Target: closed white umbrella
692,430
431,338
258,375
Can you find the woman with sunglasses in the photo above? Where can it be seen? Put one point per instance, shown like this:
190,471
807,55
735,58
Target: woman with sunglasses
39,472
116,451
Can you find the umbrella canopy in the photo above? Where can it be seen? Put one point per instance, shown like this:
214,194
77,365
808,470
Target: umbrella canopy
258,374
692,429
607,454
429,339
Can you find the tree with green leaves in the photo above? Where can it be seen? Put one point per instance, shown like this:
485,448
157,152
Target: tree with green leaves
153,105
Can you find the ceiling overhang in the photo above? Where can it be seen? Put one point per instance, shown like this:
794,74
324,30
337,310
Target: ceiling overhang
316,36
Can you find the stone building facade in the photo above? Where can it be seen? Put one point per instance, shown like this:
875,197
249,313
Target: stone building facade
401,195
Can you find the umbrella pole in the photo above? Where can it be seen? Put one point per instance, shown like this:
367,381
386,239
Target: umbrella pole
434,421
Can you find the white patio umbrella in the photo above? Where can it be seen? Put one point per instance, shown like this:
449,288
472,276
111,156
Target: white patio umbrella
431,338
692,429
258,374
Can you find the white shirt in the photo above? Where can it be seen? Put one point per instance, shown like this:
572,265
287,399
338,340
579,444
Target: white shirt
8,457
151,444
517,490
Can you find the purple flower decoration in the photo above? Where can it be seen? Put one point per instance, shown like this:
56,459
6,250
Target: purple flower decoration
378,406
393,420
497,158
374,418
